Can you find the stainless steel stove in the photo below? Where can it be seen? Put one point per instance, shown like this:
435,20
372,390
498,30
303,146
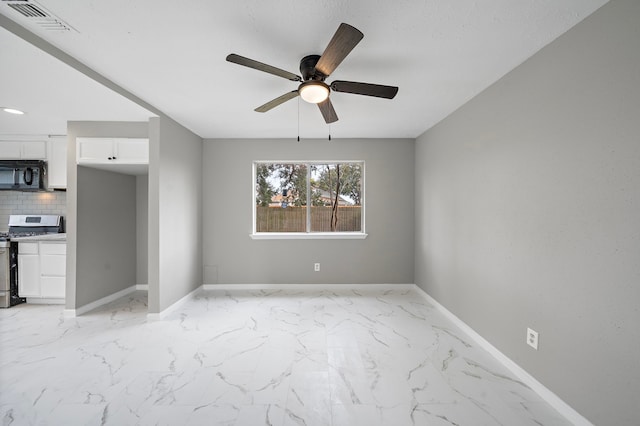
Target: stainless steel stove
20,226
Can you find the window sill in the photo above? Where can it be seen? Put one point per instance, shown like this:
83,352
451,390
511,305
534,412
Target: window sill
309,236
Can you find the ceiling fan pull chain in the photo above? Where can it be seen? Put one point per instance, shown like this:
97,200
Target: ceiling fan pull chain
298,119
329,131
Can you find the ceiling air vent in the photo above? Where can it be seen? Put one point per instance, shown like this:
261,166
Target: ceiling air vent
38,15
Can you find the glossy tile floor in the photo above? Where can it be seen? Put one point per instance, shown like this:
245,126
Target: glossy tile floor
282,357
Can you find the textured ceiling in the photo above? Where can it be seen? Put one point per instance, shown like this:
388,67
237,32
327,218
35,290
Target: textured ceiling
172,55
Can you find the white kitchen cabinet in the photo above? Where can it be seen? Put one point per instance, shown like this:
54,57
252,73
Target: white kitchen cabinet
112,150
28,270
57,163
10,150
42,269
53,287
53,263
23,150
34,150
94,149
132,150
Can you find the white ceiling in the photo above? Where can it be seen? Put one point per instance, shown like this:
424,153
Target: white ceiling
51,93
172,55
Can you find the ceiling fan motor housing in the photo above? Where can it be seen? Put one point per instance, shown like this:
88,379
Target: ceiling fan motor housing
308,68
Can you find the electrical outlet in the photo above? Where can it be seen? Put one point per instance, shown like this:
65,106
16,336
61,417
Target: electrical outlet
532,338
316,267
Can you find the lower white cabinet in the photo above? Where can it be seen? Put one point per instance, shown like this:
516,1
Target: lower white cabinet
28,274
42,269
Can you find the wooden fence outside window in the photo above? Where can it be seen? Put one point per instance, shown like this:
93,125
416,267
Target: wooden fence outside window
294,219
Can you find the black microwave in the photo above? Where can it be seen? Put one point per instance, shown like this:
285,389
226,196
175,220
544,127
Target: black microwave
23,175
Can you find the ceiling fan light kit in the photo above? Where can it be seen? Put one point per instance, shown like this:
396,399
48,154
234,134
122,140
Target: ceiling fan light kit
313,91
315,69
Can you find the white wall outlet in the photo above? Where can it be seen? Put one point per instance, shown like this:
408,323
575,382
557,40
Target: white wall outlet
316,267
532,338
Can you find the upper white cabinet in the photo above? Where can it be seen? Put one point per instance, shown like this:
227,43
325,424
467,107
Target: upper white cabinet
121,155
23,150
94,150
57,162
132,150
113,150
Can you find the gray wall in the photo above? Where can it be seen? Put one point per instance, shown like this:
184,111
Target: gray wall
175,213
106,230
80,224
142,229
232,257
528,214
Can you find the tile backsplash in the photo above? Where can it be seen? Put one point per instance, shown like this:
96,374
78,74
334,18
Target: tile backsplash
14,202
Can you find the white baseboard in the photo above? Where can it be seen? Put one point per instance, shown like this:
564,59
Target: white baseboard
45,301
305,286
143,287
172,308
71,313
551,398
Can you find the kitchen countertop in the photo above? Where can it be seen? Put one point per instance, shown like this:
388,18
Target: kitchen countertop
45,237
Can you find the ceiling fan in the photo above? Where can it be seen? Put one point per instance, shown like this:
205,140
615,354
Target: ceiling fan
315,69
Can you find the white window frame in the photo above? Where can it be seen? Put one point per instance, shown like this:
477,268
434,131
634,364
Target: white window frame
309,235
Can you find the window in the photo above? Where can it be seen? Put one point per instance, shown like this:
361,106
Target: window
309,200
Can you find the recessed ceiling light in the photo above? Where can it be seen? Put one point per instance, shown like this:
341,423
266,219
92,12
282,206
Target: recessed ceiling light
12,111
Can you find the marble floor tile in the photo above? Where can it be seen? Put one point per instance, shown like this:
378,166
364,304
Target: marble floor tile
257,357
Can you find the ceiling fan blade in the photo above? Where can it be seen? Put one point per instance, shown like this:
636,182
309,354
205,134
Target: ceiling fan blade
329,114
343,42
241,60
277,101
367,89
